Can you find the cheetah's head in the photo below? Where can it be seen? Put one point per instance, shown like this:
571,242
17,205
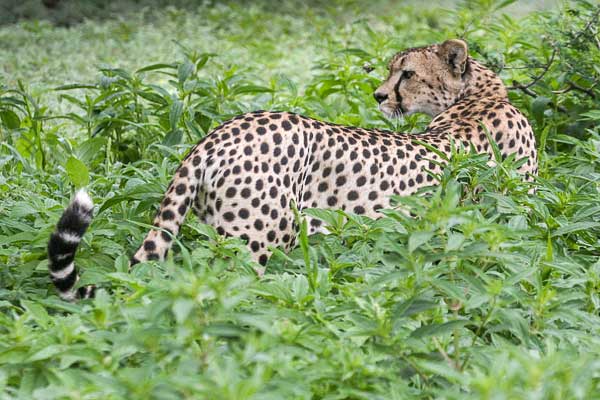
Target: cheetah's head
426,79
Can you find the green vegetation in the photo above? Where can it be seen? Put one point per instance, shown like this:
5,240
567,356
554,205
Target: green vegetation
490,292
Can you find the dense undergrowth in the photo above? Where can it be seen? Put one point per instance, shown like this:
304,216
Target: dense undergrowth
491,291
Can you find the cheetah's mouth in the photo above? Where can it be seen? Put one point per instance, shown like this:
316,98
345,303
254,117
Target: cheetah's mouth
392,111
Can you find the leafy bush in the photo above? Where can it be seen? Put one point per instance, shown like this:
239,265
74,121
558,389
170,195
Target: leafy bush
490,290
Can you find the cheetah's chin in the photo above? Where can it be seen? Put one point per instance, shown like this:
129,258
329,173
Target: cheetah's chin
392,113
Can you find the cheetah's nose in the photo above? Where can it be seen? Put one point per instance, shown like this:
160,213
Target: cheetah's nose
380,97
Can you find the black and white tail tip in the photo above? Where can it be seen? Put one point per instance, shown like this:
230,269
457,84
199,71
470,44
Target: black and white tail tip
63,245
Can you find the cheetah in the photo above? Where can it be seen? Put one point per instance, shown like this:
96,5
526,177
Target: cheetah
243,177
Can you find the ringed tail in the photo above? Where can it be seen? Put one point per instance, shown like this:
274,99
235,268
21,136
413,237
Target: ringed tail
63,245
78,215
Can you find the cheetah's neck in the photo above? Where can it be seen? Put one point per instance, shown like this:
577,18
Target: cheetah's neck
482,83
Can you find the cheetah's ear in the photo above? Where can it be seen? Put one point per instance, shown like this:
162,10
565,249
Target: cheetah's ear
455,53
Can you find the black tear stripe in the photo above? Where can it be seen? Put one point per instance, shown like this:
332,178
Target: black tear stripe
397,91
63,244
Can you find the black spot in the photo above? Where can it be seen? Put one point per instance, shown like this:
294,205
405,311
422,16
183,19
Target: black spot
230,192
245,193
352,195
180,189
359,210
258,225
228,216
283,224
168,215
149,245
165,236
243,213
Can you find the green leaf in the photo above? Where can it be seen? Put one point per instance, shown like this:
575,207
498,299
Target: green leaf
251,89
89,150
152,97
413,306
48,352
592,115
538,106
438,329
184,71
223,329
417,239
175,112
10,119
77,172
181,309
455,241
76,86
577,226
38,312
441,369
154,67
173,138
331,217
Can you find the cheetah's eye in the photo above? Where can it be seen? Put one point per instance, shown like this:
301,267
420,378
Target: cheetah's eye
408,74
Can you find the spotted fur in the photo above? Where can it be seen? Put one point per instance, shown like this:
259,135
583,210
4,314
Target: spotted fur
242,177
